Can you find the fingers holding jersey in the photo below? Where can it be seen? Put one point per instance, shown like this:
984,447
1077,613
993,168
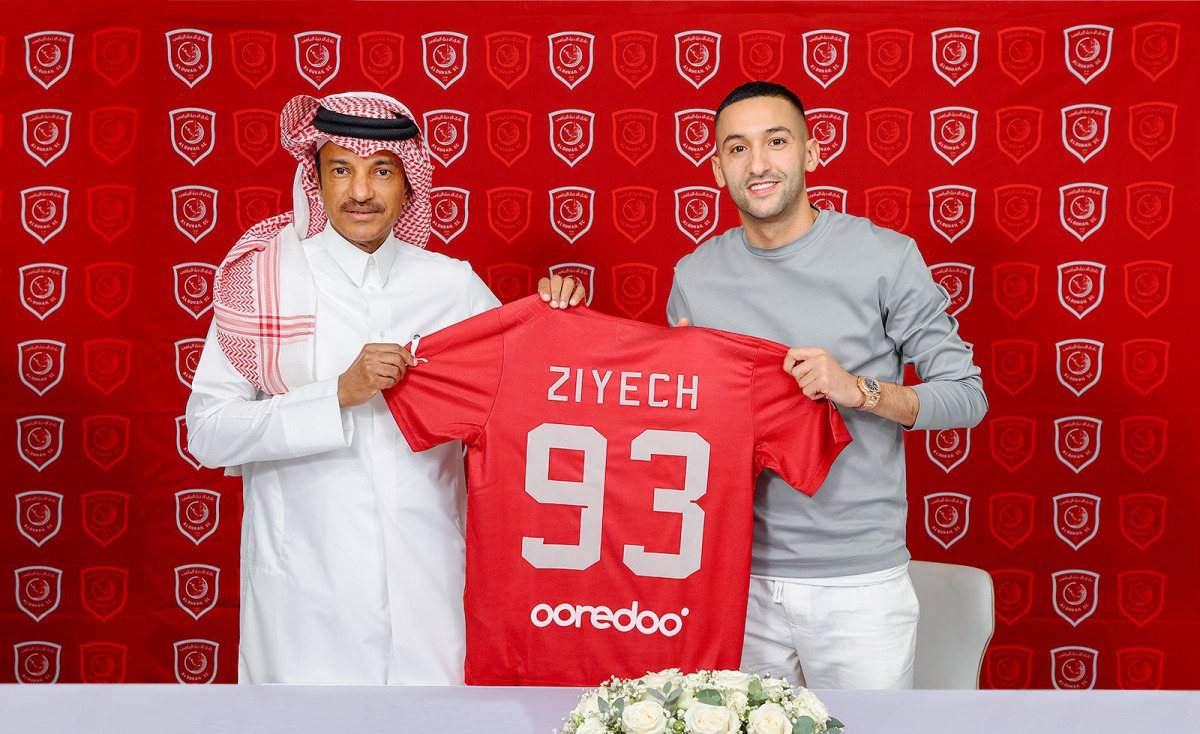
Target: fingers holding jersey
377,367
561,292
683,321
820,376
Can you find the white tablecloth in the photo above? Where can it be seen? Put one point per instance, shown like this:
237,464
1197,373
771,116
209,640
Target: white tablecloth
161,709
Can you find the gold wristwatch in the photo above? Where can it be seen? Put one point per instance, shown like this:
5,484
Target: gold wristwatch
871,391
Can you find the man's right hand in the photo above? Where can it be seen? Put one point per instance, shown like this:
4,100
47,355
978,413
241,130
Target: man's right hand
683,321
377,367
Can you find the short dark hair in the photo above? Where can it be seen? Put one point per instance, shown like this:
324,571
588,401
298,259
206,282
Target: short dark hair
750,90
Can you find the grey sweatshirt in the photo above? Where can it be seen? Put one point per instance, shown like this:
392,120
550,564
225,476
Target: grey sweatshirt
865,295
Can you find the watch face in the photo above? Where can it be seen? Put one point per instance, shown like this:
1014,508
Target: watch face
871,384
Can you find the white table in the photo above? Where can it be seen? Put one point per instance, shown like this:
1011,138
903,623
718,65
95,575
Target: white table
229,709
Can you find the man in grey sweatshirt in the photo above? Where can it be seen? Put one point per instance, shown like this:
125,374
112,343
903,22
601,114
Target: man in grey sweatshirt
831,604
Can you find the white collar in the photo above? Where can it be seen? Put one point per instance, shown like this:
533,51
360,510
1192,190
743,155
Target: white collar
353,261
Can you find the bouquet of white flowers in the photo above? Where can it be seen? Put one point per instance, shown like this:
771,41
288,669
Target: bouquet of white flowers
706,702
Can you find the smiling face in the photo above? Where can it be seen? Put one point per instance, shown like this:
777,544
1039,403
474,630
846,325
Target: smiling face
763,152
363,197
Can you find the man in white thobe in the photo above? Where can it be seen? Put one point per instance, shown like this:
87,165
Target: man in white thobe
352,559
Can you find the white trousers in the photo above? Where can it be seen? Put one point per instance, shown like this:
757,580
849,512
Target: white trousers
832,636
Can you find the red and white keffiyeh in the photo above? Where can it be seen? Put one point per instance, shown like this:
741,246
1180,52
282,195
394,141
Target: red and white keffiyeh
264,298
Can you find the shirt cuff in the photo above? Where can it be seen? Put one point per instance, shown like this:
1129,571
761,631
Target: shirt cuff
313,421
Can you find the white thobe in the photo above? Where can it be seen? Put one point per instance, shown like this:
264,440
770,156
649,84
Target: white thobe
352,549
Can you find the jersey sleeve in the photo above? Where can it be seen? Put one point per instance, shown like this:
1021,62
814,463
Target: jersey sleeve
795,436
450,392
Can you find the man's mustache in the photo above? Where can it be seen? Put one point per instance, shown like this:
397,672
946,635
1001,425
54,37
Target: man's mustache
359,205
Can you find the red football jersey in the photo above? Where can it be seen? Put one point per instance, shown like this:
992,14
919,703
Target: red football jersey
611,470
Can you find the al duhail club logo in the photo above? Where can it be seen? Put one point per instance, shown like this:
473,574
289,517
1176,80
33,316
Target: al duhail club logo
634,211
318,56
254,134
451,208
38,590
571,134
1015,287
1013,441
889,54
115,53
1152,127
948,447
1008,667
508,134
189,54
952,210
48,56
761,54
1140,595
193,133
1085,129
110,210
1077,441
1011,517
197,513
112,131
952,132
44,211
1147,285
695,135
40,364
1087,49
253,55
571,56
582,273
1155,47
508,211
635,56
37,662
1014,593
109,286
634,287
827,198
105,515
1139,668
1014,364
1149,206
196,588
1022,52
1143,440
193,287
39,515
1082,208
102,662
947,517
507,56
1018,131
105,439
958,280
1144,362
1075,594
195,210
42,288
955,53
445,57
696,211
107,363
888,206
889,131
826,55
254,204
1076,518
187,358
571,211
1017,209
509,281
381,56
1080,286
39,439
104,590
1079,363
1073,668
829,127
196,661
1143,518
446,134
634,136
46,134
697,56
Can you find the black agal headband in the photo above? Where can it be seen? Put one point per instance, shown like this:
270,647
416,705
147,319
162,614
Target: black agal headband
368,128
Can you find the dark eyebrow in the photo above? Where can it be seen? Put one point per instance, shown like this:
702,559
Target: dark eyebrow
768,131
380,161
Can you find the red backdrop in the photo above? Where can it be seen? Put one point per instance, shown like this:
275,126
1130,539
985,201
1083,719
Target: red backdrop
1036,151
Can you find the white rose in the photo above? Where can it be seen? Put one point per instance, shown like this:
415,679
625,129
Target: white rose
773,686
768,719
703,718
734,680
588,706
659,679
737,701
590,725
644,717
696,681
685,700
807,704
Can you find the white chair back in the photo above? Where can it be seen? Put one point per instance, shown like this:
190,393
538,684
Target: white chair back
957,621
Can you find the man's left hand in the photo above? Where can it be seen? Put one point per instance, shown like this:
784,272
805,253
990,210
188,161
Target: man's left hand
561,292
821,377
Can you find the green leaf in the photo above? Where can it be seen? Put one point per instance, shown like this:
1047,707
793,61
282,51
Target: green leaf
755,688
667,687
603,705
804,725
674,697
620,706
657,694
833,722
710,696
